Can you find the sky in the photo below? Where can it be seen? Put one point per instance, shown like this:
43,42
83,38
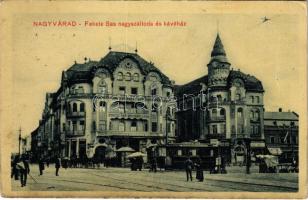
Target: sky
271,51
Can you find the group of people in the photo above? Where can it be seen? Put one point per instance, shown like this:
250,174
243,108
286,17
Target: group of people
20,167
189,165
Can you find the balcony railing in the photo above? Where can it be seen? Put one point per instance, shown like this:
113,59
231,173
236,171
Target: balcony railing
134,133
143,114
216,118
75,114
74,132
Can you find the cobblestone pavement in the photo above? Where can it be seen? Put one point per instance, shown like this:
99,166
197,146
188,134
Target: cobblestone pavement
122,179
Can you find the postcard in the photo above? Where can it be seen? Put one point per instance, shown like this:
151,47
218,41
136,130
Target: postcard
142,99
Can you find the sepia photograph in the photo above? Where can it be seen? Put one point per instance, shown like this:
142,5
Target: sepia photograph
154,99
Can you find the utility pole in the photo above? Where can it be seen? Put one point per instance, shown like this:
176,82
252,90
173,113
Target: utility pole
19,140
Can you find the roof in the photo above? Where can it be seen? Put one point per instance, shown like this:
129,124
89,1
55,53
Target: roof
218,52
79,73
251,83
192,87
287,116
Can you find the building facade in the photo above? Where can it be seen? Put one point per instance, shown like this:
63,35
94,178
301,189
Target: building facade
225,106
281,135
120,101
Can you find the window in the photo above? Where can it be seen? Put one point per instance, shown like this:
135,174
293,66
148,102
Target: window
80,90
257,115
223,128
252,99
168,94
222,112
219,98
128,76
257,99
121,108
272,139
122,90
121,126
154,126
133,126
74,126
74,107
214,129
136,77
102,106
134,91
102,88
257,130
146,126
63,126
154,108
275,123
102,125
294,140
154,91
252,130
82,107
94,126
81,125
239,112
120,76
214,113
252,115
237,97
94,106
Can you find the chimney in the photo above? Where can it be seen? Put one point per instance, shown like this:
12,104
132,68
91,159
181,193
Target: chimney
280,109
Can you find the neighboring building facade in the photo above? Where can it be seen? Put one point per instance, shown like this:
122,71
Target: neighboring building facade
121,100
281,134
225,105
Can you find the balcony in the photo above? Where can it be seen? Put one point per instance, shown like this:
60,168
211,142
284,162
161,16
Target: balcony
75,114
216,118
130,115
134,134
75,132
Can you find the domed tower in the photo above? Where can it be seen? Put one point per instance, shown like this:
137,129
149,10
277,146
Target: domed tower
219,67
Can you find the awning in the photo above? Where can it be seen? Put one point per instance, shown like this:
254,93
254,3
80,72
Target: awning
255,144
125,149
275,151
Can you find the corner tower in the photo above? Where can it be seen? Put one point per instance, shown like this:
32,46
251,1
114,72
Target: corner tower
219,67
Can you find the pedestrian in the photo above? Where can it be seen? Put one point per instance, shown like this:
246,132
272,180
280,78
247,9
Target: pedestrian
14,172
23,168
41,166
153,165
188,168
57,165
199,170
47,162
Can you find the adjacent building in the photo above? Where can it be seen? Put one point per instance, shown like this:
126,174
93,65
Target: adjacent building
225,106
281,134
119,101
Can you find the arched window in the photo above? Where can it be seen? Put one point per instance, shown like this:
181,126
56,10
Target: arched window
128,76
153,90
219,98
102,106
214,113
120,76
82,107
222,112
121,108
252,114
238,97
136,77
257,115
74,107
240,112
102,88
154,108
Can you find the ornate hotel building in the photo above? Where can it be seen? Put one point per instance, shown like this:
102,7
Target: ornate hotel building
224,107
120,101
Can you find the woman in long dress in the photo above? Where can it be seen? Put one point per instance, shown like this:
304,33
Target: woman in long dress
199,170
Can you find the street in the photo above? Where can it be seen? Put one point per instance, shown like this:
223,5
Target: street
123,179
